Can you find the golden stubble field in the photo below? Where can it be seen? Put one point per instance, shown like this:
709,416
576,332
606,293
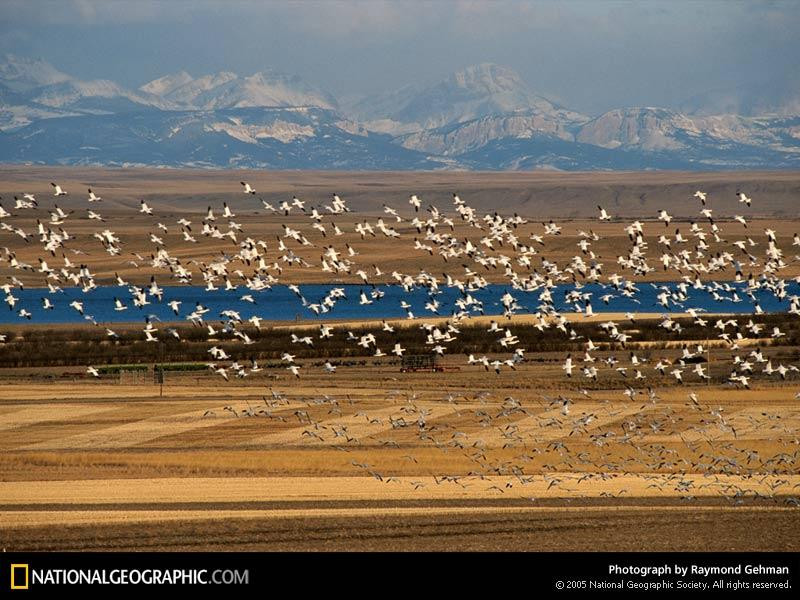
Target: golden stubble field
375,459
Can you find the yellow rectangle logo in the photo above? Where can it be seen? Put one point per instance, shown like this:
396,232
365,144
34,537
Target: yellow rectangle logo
19,577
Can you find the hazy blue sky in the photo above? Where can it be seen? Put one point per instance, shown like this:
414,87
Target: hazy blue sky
588,55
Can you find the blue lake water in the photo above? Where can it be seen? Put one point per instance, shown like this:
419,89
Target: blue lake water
280,303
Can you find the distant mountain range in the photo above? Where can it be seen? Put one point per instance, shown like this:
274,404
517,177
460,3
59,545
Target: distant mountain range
484,117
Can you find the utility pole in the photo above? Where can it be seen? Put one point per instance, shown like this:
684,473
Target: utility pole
158,370
161,372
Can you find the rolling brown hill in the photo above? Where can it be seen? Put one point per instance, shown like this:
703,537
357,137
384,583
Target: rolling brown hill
538,194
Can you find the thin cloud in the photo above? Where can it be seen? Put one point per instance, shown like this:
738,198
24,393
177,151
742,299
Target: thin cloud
591,55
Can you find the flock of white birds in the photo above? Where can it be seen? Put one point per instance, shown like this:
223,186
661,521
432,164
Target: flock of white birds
257,265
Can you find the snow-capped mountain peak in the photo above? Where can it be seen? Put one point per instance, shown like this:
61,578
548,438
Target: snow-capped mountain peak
166,84
488,78
22,74
471,93
228,90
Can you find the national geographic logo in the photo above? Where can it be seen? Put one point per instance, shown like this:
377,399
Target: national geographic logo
19,577
22,576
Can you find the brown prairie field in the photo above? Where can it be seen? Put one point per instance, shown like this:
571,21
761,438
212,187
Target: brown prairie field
571,199
372,251
541,194
372,458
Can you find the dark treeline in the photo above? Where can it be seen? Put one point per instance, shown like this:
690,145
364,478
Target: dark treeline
65,347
